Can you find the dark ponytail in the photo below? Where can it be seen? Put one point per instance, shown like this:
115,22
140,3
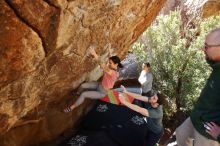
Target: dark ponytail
147,64
116,60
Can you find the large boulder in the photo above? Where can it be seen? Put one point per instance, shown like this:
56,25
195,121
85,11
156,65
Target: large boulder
211,7
43,47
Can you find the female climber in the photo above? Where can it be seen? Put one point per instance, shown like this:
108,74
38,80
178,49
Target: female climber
97,90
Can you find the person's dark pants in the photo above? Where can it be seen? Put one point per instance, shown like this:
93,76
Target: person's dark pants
152,138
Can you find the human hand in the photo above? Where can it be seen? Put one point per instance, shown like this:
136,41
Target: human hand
153,99
214,130
123,88
92,50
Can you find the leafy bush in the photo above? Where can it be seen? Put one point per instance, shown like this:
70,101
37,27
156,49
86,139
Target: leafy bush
173,47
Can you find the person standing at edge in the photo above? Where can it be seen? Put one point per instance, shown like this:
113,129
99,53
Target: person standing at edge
207,108
146,79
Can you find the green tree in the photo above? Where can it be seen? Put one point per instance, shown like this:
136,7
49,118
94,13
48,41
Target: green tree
173,46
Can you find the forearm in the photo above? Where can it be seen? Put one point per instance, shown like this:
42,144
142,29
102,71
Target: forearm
102,65
97,59
137,96
136,108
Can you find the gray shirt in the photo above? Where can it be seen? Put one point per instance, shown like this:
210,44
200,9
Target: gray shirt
154,121
146,80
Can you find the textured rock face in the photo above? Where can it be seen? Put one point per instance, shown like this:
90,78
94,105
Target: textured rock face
43,47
